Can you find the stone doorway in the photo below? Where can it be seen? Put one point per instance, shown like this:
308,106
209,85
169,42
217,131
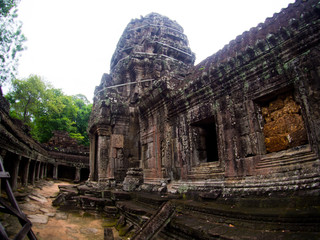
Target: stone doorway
206,140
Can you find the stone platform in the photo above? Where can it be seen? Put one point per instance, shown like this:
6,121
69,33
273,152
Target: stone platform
251,217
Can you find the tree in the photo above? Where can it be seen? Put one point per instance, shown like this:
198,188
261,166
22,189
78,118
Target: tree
11,40
83,116
46,109
26,98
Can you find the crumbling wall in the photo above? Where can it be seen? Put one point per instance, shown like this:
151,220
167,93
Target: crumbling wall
284,127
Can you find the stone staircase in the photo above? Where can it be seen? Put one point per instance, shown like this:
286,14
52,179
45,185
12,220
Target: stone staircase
206,170
291,160
261,218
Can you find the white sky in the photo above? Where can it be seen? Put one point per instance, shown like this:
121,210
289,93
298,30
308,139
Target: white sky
71,42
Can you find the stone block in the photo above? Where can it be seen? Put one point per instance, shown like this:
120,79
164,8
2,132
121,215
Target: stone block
117,140
108,234
38,218
120,195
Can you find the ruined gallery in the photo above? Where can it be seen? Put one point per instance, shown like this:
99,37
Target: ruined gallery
179,151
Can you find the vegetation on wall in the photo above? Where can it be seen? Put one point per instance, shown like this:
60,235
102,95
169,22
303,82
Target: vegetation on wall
45,109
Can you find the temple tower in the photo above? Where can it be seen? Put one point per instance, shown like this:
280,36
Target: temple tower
151,51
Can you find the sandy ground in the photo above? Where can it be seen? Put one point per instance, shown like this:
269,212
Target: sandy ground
60,225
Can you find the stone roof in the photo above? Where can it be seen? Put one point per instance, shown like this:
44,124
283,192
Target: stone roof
262,38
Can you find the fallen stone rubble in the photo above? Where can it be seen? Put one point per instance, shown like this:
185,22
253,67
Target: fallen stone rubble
196,216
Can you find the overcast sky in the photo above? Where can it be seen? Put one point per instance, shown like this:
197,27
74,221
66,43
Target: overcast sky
71,42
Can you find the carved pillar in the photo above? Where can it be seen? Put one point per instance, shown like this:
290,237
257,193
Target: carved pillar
15,171
92,157
78,175
116,155
103,149
55,172
25,175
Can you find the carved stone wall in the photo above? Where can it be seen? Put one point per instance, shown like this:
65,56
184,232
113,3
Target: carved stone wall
246,113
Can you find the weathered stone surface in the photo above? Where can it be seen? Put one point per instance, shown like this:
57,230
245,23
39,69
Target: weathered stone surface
62,142
89,231
133,179
242,124
284,127
110,209
108,234
38,198
38,218
61,215
120,195
29,207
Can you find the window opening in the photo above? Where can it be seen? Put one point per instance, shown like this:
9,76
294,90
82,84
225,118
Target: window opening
283,125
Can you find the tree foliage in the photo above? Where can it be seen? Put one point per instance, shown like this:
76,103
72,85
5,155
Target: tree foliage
46,109
11,39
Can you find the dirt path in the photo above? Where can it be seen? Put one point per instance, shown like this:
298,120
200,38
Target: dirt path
51,223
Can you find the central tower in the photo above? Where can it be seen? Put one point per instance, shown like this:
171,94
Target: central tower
151,50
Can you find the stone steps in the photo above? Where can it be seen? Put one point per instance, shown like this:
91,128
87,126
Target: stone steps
286,160
190,226
205,171
152,200
211,220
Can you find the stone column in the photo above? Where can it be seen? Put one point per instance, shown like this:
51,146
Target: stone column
116,155
92,156
46,170
3,154
33,176
78,175
42,170
38,164
55,172
26,173
15,172
103,153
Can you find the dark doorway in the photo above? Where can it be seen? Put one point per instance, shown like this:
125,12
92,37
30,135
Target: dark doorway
84,173
50,170
206,142
66,172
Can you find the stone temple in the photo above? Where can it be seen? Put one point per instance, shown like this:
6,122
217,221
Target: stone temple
225,149
243,121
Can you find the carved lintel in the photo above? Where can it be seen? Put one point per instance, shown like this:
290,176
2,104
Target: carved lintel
104,131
